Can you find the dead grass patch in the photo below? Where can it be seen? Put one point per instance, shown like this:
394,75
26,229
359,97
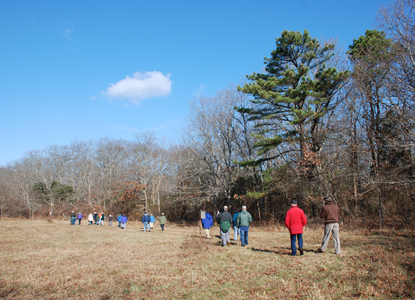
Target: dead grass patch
43,260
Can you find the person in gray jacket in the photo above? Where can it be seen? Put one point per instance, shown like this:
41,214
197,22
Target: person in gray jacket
243,221
225,220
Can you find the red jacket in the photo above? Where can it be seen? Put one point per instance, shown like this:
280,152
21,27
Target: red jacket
295,220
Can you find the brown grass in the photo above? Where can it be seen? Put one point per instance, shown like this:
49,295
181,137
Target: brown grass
43,260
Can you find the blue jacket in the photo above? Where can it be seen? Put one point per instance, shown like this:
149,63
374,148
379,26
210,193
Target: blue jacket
146,218
152,220
80,216
124,219
235,216
207,222
119,218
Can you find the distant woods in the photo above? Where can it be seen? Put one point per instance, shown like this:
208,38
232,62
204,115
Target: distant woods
317,121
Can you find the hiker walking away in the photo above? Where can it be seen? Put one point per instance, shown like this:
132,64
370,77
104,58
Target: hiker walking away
235,228
124,220
295,220
207,223
90,219
96,218
102,219
152,221
73,218
162,221
80,216
110,220
330,213
224,219
119,220
145,220
242,222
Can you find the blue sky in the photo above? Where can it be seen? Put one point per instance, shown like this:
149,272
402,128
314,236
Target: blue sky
91,69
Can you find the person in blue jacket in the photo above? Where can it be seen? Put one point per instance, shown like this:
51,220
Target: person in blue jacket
123,221
207,223
80,216
119,220
152,221
235,228
145,221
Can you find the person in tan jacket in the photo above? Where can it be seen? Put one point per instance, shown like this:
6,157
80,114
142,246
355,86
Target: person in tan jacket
330,213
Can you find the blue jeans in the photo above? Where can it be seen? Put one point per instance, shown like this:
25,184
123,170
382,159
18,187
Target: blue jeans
148,226
236,231
123,225
162,227
244,237
300,242
79,221
90,222
119,224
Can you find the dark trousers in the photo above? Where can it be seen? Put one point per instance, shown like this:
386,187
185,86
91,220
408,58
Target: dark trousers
162,227
300,242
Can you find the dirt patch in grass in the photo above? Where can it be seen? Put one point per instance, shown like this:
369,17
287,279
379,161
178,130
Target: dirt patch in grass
43,260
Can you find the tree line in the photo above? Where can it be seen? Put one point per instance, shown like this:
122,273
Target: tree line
318,121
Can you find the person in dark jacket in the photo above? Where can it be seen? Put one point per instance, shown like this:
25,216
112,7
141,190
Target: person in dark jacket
225,220
110,218
101,219
123,221
207,223
235,228
97,218
145,220
73,218
330,213
80,216
295,220
119,220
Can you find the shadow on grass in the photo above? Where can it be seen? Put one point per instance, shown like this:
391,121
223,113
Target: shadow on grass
281,251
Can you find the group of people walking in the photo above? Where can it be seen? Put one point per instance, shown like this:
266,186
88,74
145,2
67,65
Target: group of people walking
147,220
295,220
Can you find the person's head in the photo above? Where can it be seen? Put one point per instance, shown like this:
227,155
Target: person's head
102,212
327,198
244,208
79,212
72,211
162,214
151,214
294,203
95,212
145,212
110,216
225,208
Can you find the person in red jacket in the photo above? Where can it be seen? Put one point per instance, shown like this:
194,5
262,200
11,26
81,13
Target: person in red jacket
295,220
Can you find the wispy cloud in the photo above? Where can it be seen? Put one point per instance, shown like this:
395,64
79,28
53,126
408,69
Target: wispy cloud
140,86
66,33
122,128
200,89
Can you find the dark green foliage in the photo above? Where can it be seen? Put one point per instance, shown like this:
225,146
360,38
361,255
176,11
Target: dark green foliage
294,94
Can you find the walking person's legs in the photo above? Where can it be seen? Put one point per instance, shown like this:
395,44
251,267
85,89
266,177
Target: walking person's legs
293,247
235,229
300,243
336,237
327,231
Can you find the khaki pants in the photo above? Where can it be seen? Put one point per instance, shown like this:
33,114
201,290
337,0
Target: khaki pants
207,232
331,228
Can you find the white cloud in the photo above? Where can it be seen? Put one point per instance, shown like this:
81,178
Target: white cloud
66,33
140,86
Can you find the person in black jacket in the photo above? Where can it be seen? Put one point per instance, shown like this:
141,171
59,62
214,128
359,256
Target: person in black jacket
225,220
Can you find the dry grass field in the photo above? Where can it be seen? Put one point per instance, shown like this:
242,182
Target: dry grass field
42,260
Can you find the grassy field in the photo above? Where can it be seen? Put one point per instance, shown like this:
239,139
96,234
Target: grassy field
42,260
